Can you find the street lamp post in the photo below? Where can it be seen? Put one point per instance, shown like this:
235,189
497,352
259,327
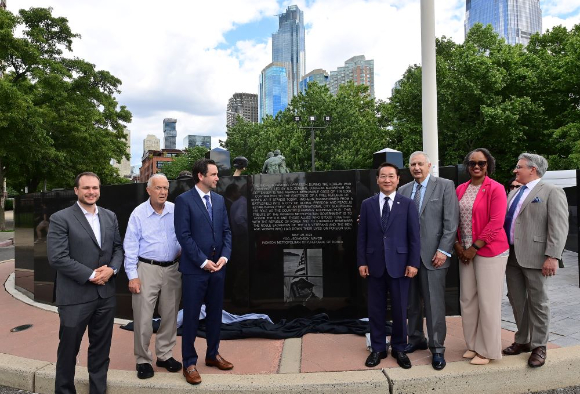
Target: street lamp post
312,119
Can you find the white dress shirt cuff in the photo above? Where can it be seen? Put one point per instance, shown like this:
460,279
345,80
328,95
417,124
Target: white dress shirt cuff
444,252
92,275
204,264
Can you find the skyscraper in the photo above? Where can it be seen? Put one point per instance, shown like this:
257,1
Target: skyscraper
514,20
319,76
124,166
243,104
356,69
274,86
151,143
288,46
169,133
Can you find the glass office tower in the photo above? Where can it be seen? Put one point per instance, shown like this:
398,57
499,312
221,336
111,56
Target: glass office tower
288,46
169,133
319,76
514,20
274,86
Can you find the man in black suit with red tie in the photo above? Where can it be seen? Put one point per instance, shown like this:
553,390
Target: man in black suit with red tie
388,254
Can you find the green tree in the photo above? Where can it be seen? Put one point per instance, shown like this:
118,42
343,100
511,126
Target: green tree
347,142
184,162
58,114
509,99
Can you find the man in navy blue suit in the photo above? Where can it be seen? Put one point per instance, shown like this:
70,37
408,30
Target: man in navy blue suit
388,255
203,231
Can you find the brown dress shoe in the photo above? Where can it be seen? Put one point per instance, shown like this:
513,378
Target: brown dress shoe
191,375
219,362
538,357
516,348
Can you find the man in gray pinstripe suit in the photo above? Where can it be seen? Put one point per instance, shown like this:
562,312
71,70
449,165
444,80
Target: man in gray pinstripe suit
537,227
438,208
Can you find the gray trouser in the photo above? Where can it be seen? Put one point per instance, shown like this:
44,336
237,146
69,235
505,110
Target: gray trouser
428,289
528,295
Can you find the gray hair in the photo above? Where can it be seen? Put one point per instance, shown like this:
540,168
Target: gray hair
158,175
537,161
417,153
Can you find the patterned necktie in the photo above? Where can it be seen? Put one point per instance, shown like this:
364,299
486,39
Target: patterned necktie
417,196
507,225
208,206
386,213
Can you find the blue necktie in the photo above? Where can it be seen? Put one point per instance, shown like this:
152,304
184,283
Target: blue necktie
386,213
208,206
507,225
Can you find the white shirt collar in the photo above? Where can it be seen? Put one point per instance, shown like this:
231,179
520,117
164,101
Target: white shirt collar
201,193
167,208
532,184
391,196
87,212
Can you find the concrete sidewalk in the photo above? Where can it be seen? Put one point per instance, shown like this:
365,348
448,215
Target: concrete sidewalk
315,363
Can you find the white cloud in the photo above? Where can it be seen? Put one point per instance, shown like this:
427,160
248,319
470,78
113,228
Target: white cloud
173,62
548,22
559,7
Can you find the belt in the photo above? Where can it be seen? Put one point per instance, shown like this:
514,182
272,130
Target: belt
159,263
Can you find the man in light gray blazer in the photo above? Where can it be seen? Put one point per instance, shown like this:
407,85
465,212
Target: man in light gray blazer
438,208
537,227
84,246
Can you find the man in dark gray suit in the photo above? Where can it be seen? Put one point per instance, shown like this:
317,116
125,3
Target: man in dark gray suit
438,208
85,248
536,224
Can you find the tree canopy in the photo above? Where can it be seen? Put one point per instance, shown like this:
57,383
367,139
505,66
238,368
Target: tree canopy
509,99
59,115
348,141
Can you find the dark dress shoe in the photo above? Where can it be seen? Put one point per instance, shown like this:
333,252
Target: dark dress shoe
219,362
538,357
375,358
191,375
402,359
516,348
171,364
438,362
410,348
145,371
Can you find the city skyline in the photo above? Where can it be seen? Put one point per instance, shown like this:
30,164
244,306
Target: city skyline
189,68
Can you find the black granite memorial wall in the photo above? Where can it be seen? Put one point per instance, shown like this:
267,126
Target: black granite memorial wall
294,241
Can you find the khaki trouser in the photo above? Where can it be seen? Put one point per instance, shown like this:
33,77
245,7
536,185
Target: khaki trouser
480,298
163,283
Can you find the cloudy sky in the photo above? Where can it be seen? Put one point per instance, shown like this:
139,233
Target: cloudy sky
184,59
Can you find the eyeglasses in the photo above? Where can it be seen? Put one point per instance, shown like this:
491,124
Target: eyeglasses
512,187
481,164
520,167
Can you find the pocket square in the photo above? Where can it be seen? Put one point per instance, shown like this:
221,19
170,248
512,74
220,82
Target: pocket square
537,199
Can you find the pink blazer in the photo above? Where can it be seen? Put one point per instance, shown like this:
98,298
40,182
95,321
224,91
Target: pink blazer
489,211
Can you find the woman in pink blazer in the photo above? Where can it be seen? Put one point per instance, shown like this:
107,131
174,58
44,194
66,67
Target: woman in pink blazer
482,248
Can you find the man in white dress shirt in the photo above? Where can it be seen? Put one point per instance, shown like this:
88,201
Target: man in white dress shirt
151,264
